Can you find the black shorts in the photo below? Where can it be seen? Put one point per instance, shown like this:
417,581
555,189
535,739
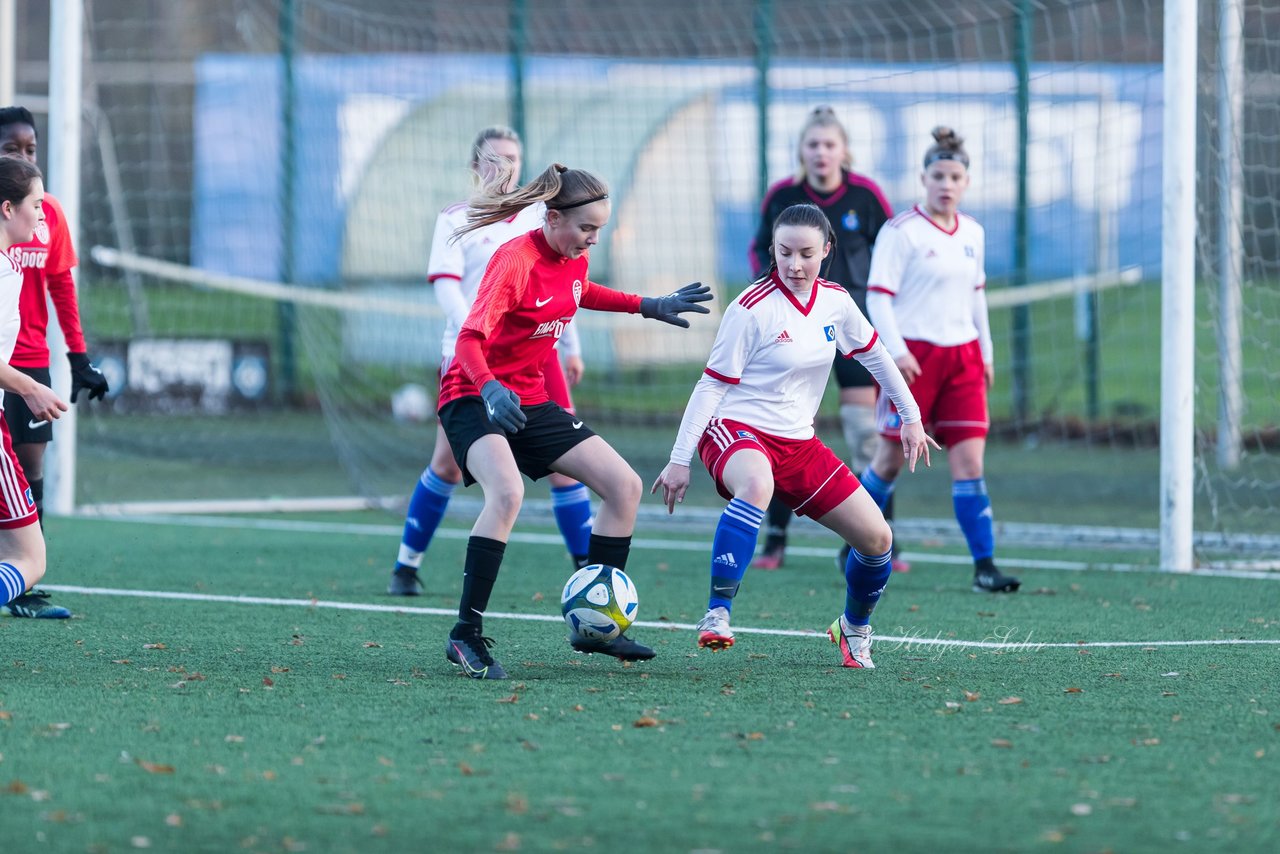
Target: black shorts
20,419
851,374
549,434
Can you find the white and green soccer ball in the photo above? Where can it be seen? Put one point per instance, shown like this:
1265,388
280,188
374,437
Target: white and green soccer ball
599,602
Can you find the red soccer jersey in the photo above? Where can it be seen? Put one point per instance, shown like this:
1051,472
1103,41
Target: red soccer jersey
46,261
528,293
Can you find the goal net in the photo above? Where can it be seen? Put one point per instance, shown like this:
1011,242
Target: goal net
310,144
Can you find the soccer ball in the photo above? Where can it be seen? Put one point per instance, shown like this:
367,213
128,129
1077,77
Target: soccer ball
411,404
599,602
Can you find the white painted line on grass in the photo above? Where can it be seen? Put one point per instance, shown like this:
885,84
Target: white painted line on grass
700,545
904,641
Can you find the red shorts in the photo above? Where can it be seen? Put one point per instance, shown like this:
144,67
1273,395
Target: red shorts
951,392
17,508
807,476
552,377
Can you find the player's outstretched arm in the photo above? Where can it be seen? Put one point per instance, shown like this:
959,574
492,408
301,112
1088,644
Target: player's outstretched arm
669,308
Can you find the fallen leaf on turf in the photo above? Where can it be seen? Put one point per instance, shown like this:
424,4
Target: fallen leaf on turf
353,808
1171,673
645,721
1001,742
234,739
512,699
754,736
1168,693
154,767
152,646
465,769
1258,754
1082,809
1073,691
17,787
267,683
1148,742
1113,675
173,820
971,696
372,645
952,705
517,804
510,842
537,597
1010,701
825,806
275,669
140,842
579,708
121,661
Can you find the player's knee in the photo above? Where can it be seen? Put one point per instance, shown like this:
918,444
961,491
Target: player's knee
627,489
876,541
505,499
756,489
447,470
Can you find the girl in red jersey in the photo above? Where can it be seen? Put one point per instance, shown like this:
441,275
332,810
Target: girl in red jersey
750,419
927,298
22,555
454,270
45,259
494,403
856,209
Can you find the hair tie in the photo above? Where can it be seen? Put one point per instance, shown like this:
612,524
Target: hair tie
587,201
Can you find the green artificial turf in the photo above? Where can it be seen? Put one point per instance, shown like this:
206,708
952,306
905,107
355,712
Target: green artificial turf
219,726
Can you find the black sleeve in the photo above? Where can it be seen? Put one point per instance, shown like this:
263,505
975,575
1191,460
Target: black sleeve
759,251
877,217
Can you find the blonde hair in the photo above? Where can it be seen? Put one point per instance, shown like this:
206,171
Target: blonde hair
947,145
823,116
558,186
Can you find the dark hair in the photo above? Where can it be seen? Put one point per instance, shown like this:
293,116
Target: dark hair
806,214
823,116
947,146
16,176
559,186
17,116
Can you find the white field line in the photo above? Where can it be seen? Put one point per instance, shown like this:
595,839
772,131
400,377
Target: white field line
699,545
906,641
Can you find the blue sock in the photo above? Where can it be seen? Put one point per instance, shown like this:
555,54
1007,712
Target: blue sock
865,579
878,489
731,550
973,512
12,584
572,508
426,509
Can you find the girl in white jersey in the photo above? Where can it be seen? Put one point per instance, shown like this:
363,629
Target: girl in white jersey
22,554
750,418
926,296
455,269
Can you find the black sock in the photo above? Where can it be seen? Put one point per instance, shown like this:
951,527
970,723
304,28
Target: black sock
984,565
779,519
484,558
37,495
610,551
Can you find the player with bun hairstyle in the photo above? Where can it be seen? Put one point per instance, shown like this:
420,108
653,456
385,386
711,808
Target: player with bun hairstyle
494,405
455,269
856,209
927,299
22,552
750,418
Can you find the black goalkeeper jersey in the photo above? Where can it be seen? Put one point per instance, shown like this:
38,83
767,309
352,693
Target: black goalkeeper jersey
857,209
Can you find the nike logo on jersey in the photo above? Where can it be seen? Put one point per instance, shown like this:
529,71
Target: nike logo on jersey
784,338
33,425
541,302
577,425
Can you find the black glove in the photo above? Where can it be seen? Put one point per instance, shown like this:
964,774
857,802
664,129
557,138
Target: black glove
85,376
503,406
668,308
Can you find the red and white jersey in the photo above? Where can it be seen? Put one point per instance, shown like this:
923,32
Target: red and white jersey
10,292
527,297
775,353
46,261
932,275
465,259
